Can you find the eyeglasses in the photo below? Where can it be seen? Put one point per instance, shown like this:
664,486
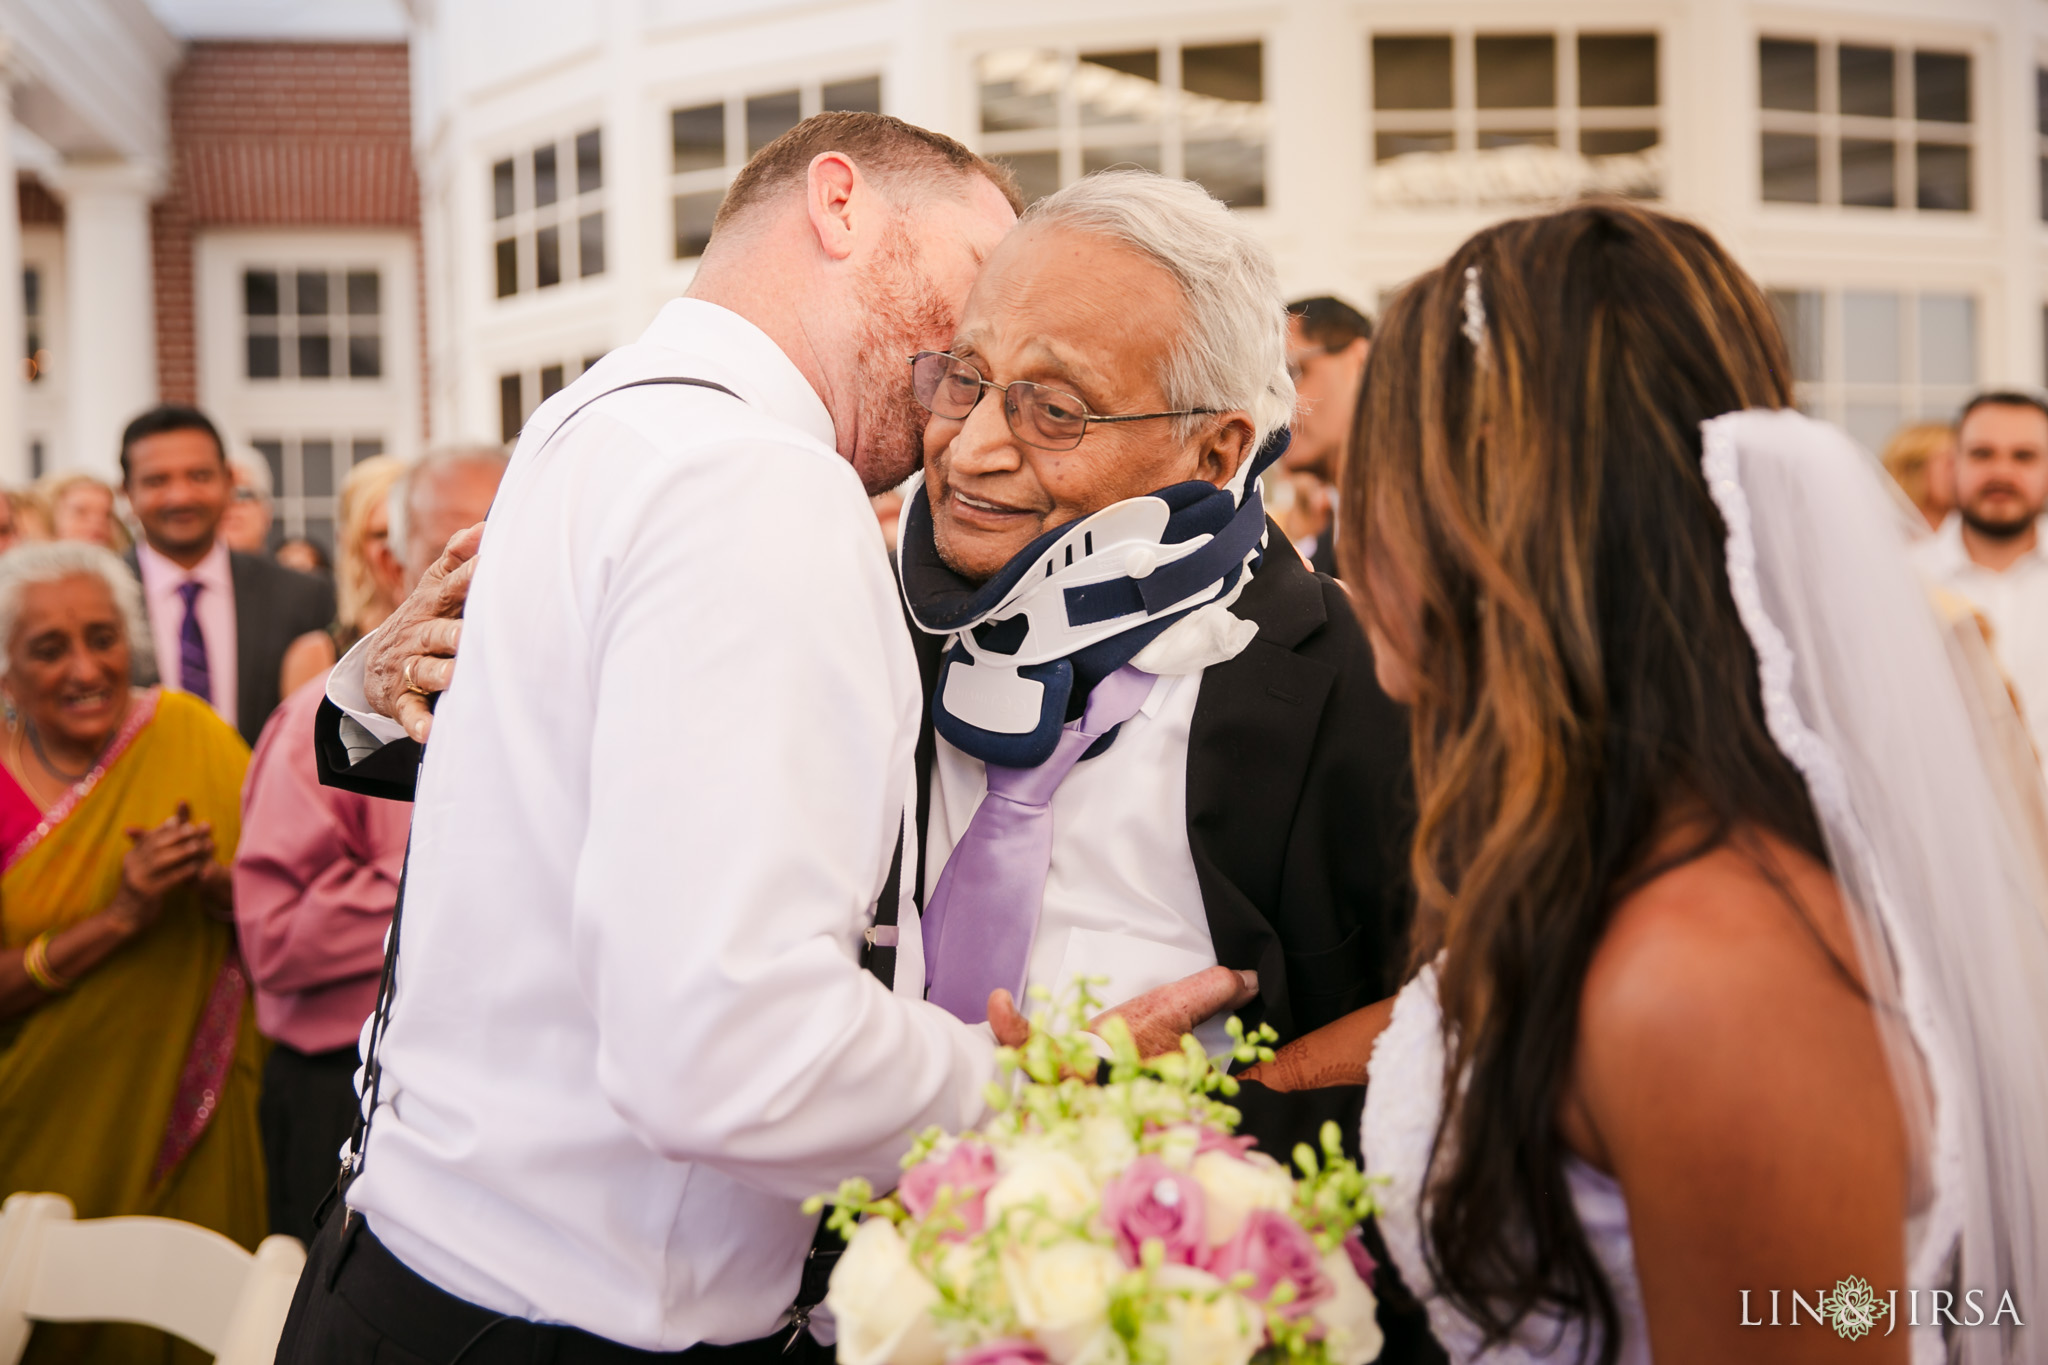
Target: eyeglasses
1049,419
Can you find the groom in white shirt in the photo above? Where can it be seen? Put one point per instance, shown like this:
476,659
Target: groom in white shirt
629,1032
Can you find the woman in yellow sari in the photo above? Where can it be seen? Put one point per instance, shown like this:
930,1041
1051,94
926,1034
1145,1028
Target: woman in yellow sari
129,1059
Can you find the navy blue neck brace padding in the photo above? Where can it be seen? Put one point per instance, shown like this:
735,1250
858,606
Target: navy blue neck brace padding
942,602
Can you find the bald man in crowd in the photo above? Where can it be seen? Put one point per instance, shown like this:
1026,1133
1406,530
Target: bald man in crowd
317,871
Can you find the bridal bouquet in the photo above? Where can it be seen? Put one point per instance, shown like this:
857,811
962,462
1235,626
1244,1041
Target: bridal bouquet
1112,1224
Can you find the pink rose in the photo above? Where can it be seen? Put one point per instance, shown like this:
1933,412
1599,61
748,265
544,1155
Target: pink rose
1004,1351
1361,1259
1274,1249
968,1171
1151,1201
1212,1141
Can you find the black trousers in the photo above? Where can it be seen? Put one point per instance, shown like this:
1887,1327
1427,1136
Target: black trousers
357,1304
306,1110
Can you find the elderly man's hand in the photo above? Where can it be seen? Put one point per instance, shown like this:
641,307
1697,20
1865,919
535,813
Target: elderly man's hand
1157,1019
422,636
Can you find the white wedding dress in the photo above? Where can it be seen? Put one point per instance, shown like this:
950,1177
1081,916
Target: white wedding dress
1899,743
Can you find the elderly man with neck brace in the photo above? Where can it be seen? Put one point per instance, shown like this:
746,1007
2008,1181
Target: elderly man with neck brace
1190,758
1088,549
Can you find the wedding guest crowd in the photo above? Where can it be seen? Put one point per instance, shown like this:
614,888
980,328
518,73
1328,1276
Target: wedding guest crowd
317,871
1921,459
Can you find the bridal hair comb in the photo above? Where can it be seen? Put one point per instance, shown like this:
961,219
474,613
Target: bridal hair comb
1475,313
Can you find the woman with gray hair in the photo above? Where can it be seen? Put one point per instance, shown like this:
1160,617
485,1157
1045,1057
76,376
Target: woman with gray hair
128,1061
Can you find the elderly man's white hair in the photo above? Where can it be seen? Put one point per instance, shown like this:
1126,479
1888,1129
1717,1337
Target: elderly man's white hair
1232,353
52,561
398,502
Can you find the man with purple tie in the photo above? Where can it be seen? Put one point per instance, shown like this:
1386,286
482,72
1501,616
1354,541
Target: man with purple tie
220,620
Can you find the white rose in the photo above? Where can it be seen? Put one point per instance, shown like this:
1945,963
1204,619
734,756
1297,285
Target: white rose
1178,1144
880,1302
1233,1186
1061,1294
1035,1175
1106,1146
1349,1315
1204,1323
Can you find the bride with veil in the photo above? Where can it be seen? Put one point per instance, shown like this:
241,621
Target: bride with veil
1730,1034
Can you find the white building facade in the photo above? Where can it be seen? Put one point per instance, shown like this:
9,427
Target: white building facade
1881,167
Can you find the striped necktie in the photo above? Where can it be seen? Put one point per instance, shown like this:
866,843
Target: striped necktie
194,673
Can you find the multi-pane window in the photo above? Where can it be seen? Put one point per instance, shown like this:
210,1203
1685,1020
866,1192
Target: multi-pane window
1865,125
1193,110
1873,359
35,359
521,391
313,322
2041,131
710,142
305,476
547,211
1493,118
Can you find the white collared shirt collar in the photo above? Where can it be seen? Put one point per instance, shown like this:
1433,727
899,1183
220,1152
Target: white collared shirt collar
721,345
1946,554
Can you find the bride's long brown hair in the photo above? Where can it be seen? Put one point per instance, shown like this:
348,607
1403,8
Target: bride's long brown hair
1561,600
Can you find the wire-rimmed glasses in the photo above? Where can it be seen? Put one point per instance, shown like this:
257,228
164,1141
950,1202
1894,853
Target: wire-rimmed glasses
1047,418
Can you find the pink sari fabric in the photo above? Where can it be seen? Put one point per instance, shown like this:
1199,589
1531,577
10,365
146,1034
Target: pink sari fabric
18,814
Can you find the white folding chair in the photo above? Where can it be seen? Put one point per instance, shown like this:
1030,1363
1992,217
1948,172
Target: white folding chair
179,1277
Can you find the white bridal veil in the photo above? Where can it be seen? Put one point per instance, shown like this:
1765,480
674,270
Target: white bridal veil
1930,800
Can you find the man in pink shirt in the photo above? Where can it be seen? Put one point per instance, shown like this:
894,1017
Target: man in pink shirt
316,875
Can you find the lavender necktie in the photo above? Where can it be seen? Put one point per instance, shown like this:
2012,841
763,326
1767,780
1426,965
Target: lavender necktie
194,675
984,911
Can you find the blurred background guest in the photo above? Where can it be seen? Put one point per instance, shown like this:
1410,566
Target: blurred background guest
130,1064
245,526
1989,552
221,619
1327,341
304,555
370,580
27,518
9,534
82,508
318,867
1922,460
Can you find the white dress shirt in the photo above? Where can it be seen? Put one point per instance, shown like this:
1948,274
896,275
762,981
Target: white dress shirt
1121,898
630,1034
2014,600
215,608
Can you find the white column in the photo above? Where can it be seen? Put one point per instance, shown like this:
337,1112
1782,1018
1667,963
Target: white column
14,464
110,284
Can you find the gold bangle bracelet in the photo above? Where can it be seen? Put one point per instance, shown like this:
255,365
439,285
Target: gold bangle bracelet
36,962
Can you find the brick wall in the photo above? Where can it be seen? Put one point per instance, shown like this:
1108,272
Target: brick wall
270,135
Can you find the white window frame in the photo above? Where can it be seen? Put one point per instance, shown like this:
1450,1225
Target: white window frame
566,214
1831,394
1465,116
1071,140
1905,130
715,179
533,385
292,507
387,407
342,326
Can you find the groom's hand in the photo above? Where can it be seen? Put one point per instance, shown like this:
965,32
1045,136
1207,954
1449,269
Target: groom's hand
1156,1019
422,634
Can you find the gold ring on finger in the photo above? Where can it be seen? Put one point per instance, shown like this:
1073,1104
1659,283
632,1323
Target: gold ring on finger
410,685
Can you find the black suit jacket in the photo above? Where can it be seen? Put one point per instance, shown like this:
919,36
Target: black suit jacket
273,607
